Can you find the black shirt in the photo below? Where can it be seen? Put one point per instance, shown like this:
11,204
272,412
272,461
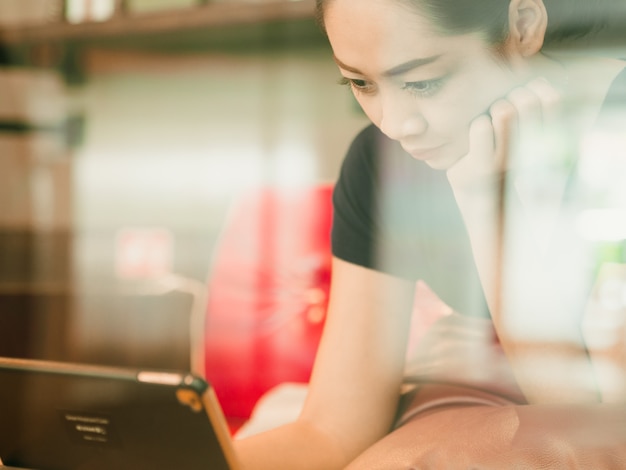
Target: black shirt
395,214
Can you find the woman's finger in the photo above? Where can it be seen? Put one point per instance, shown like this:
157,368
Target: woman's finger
477,164
527,138
538,123
549,98
504,120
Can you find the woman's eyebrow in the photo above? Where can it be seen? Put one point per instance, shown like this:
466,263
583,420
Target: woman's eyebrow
410,65
394,71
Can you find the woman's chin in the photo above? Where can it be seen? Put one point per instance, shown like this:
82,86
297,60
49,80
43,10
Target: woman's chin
444,159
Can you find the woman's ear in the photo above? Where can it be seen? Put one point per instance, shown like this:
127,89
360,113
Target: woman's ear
528,21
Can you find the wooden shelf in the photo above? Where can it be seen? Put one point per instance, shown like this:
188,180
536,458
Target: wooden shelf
211,15
25,288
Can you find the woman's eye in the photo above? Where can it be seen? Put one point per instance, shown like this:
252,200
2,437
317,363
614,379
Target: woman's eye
424,87
358,84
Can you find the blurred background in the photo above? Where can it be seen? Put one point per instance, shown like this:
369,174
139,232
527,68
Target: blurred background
166,169
128,132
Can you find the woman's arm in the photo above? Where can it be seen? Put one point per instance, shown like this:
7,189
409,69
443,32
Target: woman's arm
356,380
557,367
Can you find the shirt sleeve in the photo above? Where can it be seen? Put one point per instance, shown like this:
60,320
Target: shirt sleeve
353,229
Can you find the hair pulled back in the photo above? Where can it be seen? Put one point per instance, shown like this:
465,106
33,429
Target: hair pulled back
567,19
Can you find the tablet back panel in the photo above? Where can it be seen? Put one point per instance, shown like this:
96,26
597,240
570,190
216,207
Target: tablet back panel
73,417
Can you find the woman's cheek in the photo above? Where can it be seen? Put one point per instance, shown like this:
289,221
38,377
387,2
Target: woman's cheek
371,107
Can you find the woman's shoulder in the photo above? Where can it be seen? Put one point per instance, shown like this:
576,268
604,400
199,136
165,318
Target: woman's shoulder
367,141
370,147
613,104
596,85
362,155
369,132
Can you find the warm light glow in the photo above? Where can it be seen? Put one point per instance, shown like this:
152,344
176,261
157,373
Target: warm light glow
78,11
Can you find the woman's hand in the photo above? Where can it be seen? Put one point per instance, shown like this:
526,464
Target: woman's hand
516,127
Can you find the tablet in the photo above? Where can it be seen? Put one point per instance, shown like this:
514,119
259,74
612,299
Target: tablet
63,416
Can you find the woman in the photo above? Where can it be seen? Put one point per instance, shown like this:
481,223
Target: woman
444,83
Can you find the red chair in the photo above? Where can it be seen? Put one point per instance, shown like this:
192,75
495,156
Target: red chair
268,292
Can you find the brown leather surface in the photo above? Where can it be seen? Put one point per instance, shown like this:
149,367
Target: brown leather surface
525,437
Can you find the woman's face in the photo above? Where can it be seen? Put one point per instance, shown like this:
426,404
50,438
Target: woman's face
418,86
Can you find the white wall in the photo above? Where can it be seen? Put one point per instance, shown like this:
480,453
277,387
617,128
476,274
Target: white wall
170,140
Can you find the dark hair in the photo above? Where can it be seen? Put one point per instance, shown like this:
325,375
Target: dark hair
567,19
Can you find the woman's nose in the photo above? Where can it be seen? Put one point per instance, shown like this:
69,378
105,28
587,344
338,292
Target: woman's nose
401,118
